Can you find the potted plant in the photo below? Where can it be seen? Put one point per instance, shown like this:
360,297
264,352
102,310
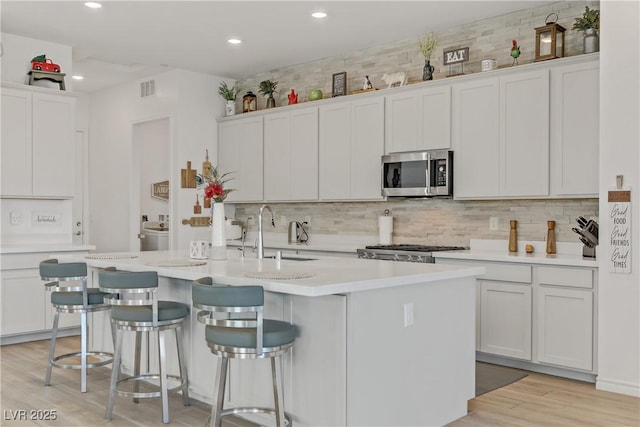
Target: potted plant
229,94
268,88
589,24
427,45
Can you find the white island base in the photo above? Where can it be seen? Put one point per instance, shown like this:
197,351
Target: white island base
395,355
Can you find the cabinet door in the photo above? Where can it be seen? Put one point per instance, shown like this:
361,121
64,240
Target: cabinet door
476,139
367,146
53,145
419,120
335,152
435,108
575,130
565,327
524,113
240,151
23,302
291,155
16,143
402,121
505,325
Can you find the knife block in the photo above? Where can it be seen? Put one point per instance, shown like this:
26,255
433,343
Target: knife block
588,252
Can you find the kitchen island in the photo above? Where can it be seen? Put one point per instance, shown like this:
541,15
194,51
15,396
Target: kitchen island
379,343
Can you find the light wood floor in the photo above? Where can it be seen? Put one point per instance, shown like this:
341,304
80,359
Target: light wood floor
537,400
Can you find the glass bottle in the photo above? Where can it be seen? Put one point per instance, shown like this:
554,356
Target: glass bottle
513,236
551,237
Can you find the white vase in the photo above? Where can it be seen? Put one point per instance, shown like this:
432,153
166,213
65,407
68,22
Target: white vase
230,108
218,249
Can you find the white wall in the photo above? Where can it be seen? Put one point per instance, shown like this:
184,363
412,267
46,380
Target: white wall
192,103
619,294
18,52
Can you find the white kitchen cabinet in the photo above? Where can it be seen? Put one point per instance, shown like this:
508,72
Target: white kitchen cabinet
575,131
524,139
38,145
505,319
291,155
418,120
565,317
240,152
351,143
500,136
25,308
475,138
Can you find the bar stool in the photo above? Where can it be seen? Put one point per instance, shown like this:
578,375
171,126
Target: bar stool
135,307
72,298
245,336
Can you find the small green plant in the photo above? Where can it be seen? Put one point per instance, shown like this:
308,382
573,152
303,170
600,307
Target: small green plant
427,45
267,87
226,92
589,19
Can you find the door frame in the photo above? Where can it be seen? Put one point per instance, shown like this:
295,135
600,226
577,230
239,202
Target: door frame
134,195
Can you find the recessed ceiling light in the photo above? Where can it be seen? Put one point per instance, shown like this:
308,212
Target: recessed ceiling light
77,77
93,5
319,14
234,40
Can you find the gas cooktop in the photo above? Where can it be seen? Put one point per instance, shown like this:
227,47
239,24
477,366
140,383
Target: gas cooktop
414,248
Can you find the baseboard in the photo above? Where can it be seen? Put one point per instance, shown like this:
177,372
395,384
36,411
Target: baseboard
535,367
37,336
615,386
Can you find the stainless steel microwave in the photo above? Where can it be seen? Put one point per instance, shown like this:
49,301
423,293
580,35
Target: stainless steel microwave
418,174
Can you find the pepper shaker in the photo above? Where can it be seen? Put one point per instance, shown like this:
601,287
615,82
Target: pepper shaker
513,236
551,237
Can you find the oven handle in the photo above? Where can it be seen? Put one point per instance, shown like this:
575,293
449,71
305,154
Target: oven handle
428,173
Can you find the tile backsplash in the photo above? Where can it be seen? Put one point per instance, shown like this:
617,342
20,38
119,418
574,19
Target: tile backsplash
432,221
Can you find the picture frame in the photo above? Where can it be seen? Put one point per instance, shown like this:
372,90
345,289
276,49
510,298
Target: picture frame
339,87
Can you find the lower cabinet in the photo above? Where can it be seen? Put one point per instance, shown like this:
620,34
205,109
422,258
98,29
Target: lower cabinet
25,309
536,314
505,319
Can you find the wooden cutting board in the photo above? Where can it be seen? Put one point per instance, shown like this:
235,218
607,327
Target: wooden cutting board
188,177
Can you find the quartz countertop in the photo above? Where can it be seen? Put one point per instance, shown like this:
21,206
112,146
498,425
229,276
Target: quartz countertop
568,254
326,275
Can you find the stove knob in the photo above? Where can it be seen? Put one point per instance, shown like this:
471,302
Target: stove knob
410,258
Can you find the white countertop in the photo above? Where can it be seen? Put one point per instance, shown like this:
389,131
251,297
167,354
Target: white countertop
569,254
44,247
330,275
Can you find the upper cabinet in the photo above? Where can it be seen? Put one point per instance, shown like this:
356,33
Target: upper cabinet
351,146
240,151
38,145
418,120
291,155
575,131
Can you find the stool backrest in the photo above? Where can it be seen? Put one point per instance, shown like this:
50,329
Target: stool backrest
212,298
132,288
54,272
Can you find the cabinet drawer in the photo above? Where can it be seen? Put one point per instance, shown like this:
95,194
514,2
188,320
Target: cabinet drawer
573,277
507,273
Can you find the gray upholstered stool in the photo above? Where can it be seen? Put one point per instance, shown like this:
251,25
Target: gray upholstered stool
72,298
245,336
135,307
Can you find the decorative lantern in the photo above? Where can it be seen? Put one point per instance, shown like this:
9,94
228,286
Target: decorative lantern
550,40
249,102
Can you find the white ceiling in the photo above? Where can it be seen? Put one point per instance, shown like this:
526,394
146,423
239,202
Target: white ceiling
126,40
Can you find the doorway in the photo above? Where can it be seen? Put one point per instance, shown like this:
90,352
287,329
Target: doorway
151,168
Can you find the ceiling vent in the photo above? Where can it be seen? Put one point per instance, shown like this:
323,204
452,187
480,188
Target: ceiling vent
147,88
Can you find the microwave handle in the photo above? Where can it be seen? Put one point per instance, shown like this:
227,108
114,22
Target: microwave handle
428,173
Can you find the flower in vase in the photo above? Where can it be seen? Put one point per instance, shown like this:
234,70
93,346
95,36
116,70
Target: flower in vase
214,185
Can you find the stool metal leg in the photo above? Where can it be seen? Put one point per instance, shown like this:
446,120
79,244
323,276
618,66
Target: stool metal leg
83,352
164,392
278,396
52,347
183,370
218,392
115,371
136,365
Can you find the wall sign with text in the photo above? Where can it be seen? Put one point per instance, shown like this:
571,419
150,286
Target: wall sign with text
619,216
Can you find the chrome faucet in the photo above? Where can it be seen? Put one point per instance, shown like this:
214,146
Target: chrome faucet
260,236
